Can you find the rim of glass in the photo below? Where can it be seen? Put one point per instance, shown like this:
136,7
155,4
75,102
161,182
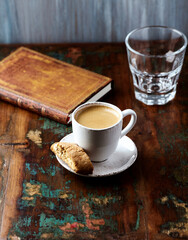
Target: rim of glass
160,56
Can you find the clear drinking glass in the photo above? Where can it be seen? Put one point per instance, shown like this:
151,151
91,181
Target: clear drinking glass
155,55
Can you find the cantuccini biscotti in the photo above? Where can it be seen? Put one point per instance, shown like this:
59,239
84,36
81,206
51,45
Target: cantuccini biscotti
74,156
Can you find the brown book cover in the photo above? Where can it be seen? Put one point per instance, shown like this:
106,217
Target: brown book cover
48,86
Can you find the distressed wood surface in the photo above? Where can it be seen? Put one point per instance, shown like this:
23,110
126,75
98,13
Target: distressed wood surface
60,21
41,200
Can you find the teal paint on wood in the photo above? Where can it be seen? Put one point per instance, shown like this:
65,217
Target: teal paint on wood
138,218
57,128
35,168
57,21
95,213
88,221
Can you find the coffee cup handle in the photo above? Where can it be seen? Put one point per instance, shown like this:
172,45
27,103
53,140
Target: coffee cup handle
131,122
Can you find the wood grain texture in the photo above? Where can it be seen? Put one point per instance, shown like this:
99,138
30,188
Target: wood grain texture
57,21
41,200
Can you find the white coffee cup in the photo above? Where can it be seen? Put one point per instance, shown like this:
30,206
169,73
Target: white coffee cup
101,143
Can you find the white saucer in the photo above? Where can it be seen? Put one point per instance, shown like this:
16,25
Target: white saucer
124,156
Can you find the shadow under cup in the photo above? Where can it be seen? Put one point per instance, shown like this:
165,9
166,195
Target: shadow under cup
98,143
155,56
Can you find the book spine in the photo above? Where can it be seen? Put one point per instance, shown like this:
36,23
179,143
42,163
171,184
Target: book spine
34,106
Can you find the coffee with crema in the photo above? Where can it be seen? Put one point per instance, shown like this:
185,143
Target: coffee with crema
97,117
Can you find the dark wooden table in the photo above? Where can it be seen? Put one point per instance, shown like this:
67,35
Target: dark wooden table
41,200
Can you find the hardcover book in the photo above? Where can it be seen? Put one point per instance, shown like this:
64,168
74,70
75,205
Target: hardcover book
48,86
